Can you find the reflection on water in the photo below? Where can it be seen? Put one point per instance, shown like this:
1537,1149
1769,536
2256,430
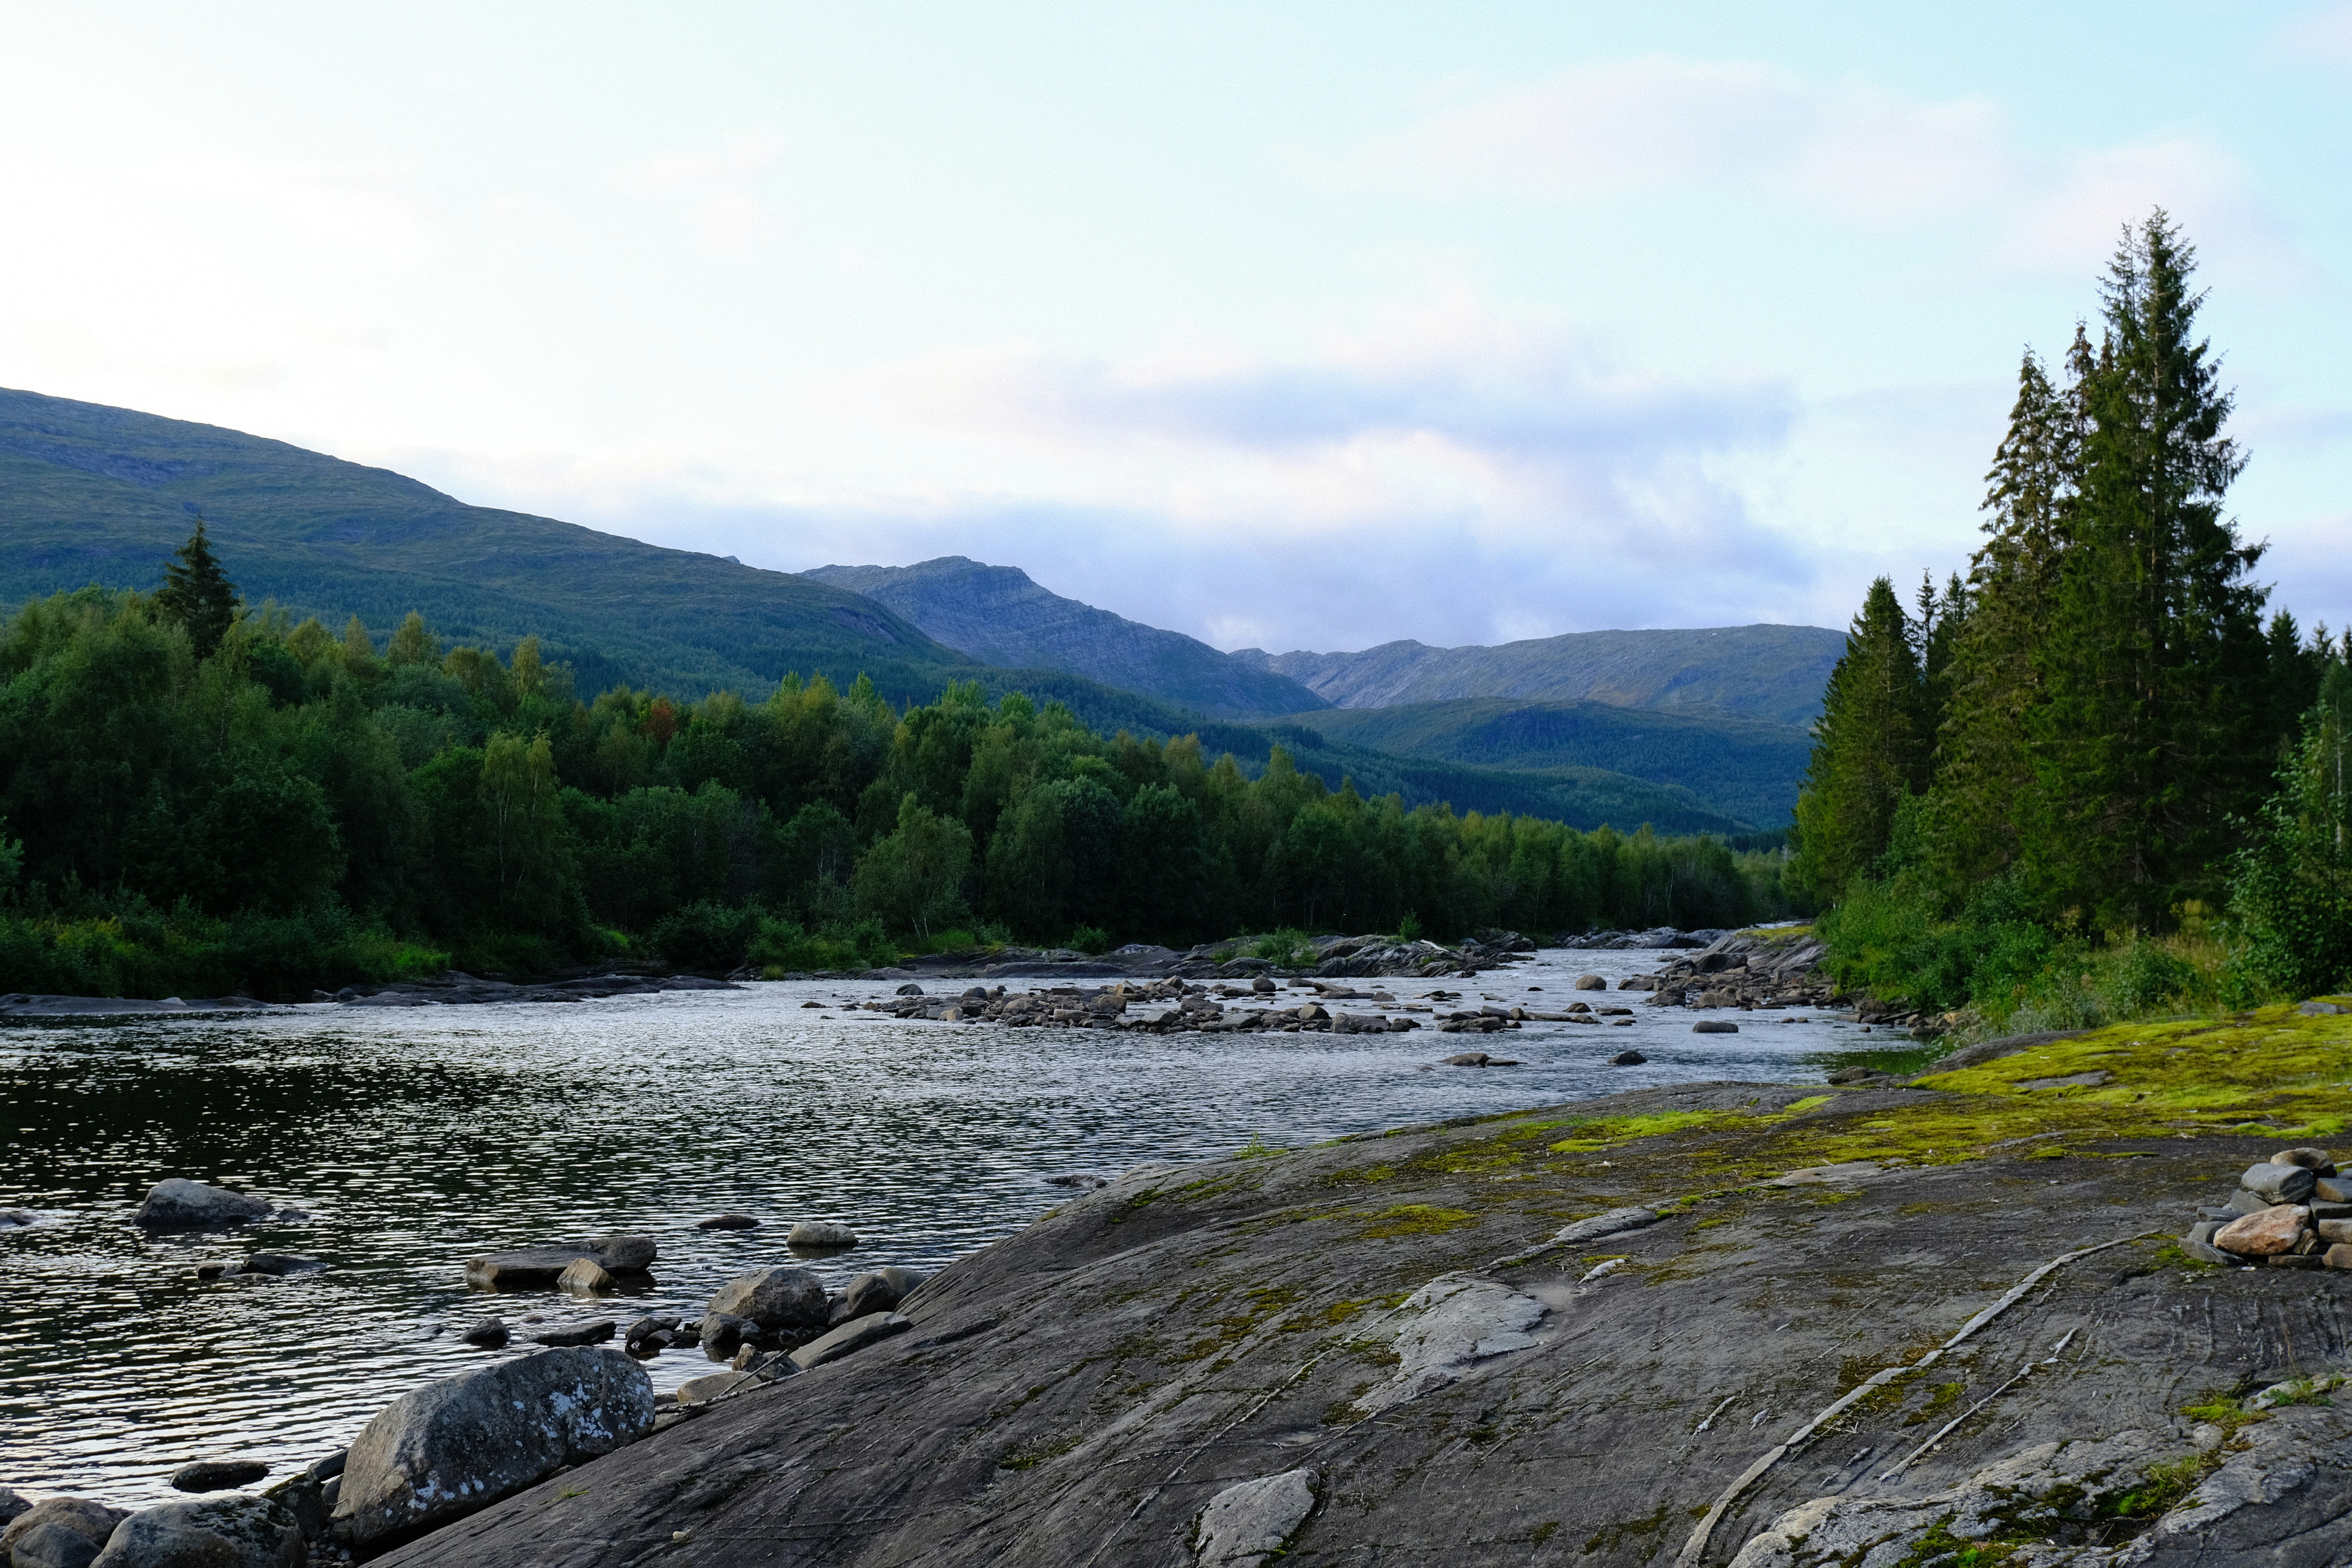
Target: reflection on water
419,1137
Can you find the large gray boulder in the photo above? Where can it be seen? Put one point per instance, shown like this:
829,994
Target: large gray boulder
218,1533
452,1446
181,1204
774,1298
62,1533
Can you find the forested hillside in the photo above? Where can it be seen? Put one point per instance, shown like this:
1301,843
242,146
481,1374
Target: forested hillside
195,797
2088,779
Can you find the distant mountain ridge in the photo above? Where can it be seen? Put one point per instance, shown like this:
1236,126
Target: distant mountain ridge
999,614
1763,672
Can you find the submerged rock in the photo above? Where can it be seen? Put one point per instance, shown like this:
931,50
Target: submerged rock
728,1222
490,1334
464,1442
217,1475
178,1204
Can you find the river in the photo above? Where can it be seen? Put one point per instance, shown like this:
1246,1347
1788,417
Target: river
415,1138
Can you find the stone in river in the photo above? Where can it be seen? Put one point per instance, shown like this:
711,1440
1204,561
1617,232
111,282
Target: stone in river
217,1475
460,1443
12,1219
774,1298
219,1533
282,1264
596,1330
1715,1026
625,1254
181,1205
729,1222
821,1233
585,1277
1591,983
490,1334
2273,1231
1627,1059
1467,1059
11,1505
879,1290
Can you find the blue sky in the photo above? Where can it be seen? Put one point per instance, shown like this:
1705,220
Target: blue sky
1293,326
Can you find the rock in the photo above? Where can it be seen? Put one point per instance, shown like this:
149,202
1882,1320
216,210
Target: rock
821,1233
2322,1009
772,1299
181,1205
2278,1183
219,1533
1262,986
526,1267
490,1334
1714,1025
908,989
280,1263
2273,1232
17,1219
2337,1256
620,1253
1248,1526
309,1502
1466,1059
11,1505
2318,1162
2198,1243
1627,1059
1591,983
722,1332
2091,1080
62,1533
2245,1202
879,1290
462,1443
217,1475
2332,1229
328,1469
1077,1179
703,1390
2332,1189
853,1335
729,1222
1452,1323
594,1331
1616,1222
585,1277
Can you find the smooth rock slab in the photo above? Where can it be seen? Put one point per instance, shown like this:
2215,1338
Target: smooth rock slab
1452,1323
1615,1222
178,1204
462,1443
1244,1526
220,1532
217,1475
853,1335
2271,1232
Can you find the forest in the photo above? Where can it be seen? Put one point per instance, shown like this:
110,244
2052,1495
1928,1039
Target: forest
198,797
2088,780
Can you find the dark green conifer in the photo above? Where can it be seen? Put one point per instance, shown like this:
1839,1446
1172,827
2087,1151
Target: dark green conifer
197,594
1871,749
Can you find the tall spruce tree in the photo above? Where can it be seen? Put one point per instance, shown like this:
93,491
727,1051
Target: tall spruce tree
197,594
1871,748
2145,736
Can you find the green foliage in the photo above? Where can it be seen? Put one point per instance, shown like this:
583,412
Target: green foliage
1409,928
785,946
2291,888
1286,949
1090,938
913,877
197,594
1870,750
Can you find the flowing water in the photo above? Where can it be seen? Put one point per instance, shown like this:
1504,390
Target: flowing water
417,1137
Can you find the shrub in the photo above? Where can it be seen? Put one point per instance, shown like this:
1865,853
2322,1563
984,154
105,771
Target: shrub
705,937
1091,938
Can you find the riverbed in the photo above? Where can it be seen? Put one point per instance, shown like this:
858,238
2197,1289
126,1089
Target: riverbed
415,1138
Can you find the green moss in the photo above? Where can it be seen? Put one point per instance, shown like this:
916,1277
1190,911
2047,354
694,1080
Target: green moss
1036,1452
1945,1396
1808,1103
1608,1131
1418,1219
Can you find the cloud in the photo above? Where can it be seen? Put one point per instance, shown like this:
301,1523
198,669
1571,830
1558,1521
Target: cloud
2324,34
716,189
1849,151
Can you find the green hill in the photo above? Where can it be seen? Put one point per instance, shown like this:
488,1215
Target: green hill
1748,768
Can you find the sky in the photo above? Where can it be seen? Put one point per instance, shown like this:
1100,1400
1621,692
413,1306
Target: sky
1281,325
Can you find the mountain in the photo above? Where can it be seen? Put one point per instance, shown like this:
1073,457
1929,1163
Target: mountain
93,494
1750,768
998,613
1762,671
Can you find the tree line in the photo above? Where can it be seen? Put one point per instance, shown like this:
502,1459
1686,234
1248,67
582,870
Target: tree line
198,797
2090,762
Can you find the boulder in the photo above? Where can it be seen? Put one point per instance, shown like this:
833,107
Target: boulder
1591,983
2334,1230
721,1332
16,1219
2269,1233
620,1253
525,1268
62,1533
774,1298
2198,1243
462,1443
181,1205
490,1334
853,1335
1627,1059
219,1533
821,1233
2337,1256
280,1263
2318,1162
594,1331
217,1475
11,1505
1715,1026
585,1277
879,1290
2278,1183
1467,1059
1248,1526
2244,1202
1718,999
729,1222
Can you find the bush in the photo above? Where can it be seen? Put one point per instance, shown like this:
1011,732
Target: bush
1288,948
780,947
1091,938
705,937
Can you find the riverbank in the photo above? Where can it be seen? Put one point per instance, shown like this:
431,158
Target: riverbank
1677,1383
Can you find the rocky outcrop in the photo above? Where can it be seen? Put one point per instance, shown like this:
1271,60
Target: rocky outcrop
456,1445
1748,970
773,1299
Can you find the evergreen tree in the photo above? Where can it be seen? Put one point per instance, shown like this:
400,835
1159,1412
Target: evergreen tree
197,594
412,644
1871,749
2147,733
